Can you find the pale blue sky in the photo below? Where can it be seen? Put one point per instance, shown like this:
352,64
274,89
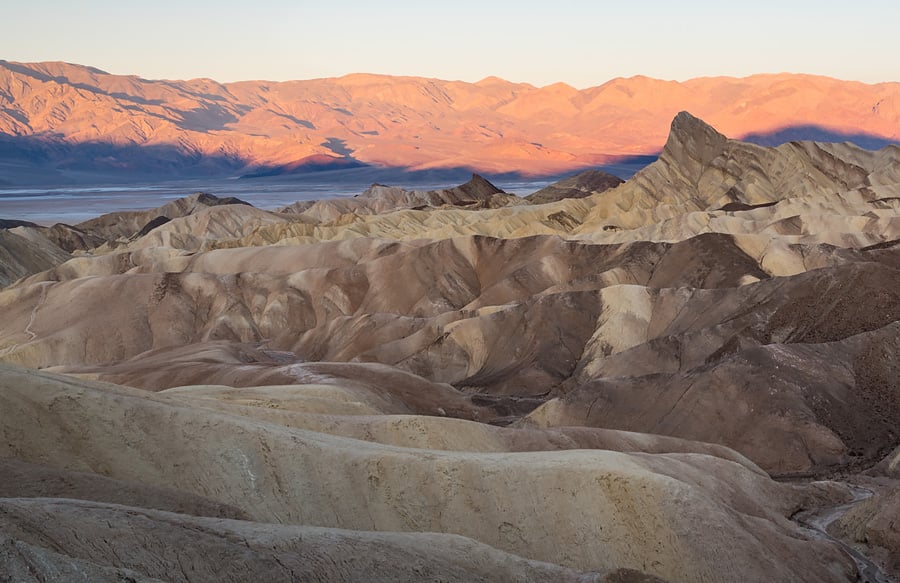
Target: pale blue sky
540,42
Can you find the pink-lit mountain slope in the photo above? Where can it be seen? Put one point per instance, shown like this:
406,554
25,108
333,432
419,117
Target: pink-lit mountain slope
65,116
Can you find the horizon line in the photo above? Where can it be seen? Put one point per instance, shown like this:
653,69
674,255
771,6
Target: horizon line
483,80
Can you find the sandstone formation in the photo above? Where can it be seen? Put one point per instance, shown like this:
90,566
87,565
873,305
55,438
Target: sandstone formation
460,385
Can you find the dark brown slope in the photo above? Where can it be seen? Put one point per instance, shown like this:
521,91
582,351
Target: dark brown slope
684,328
805,380
13,223
579,186
20,257
72,238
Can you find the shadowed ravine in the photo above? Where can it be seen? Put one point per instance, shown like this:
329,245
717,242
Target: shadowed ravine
819,520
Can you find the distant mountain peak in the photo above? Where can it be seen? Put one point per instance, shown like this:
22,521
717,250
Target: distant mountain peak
492,80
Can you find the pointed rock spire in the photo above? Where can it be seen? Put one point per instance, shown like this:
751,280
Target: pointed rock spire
478,188
691,138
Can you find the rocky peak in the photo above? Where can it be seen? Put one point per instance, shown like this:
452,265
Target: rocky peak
478,188
207,199
381,191
692,138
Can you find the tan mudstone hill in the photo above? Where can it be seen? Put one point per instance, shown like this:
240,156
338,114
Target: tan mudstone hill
681,516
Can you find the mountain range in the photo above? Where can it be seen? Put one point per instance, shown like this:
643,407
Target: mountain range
60,121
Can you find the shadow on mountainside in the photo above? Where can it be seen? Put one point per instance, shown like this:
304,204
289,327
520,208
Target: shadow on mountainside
46,160
25,159
816,133
63,80
27,71
43,160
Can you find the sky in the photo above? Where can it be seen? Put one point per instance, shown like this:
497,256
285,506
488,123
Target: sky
581,43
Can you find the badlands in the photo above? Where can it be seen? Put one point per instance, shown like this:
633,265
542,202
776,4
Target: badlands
674,378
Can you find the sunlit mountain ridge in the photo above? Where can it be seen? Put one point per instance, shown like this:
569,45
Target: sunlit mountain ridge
59,117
